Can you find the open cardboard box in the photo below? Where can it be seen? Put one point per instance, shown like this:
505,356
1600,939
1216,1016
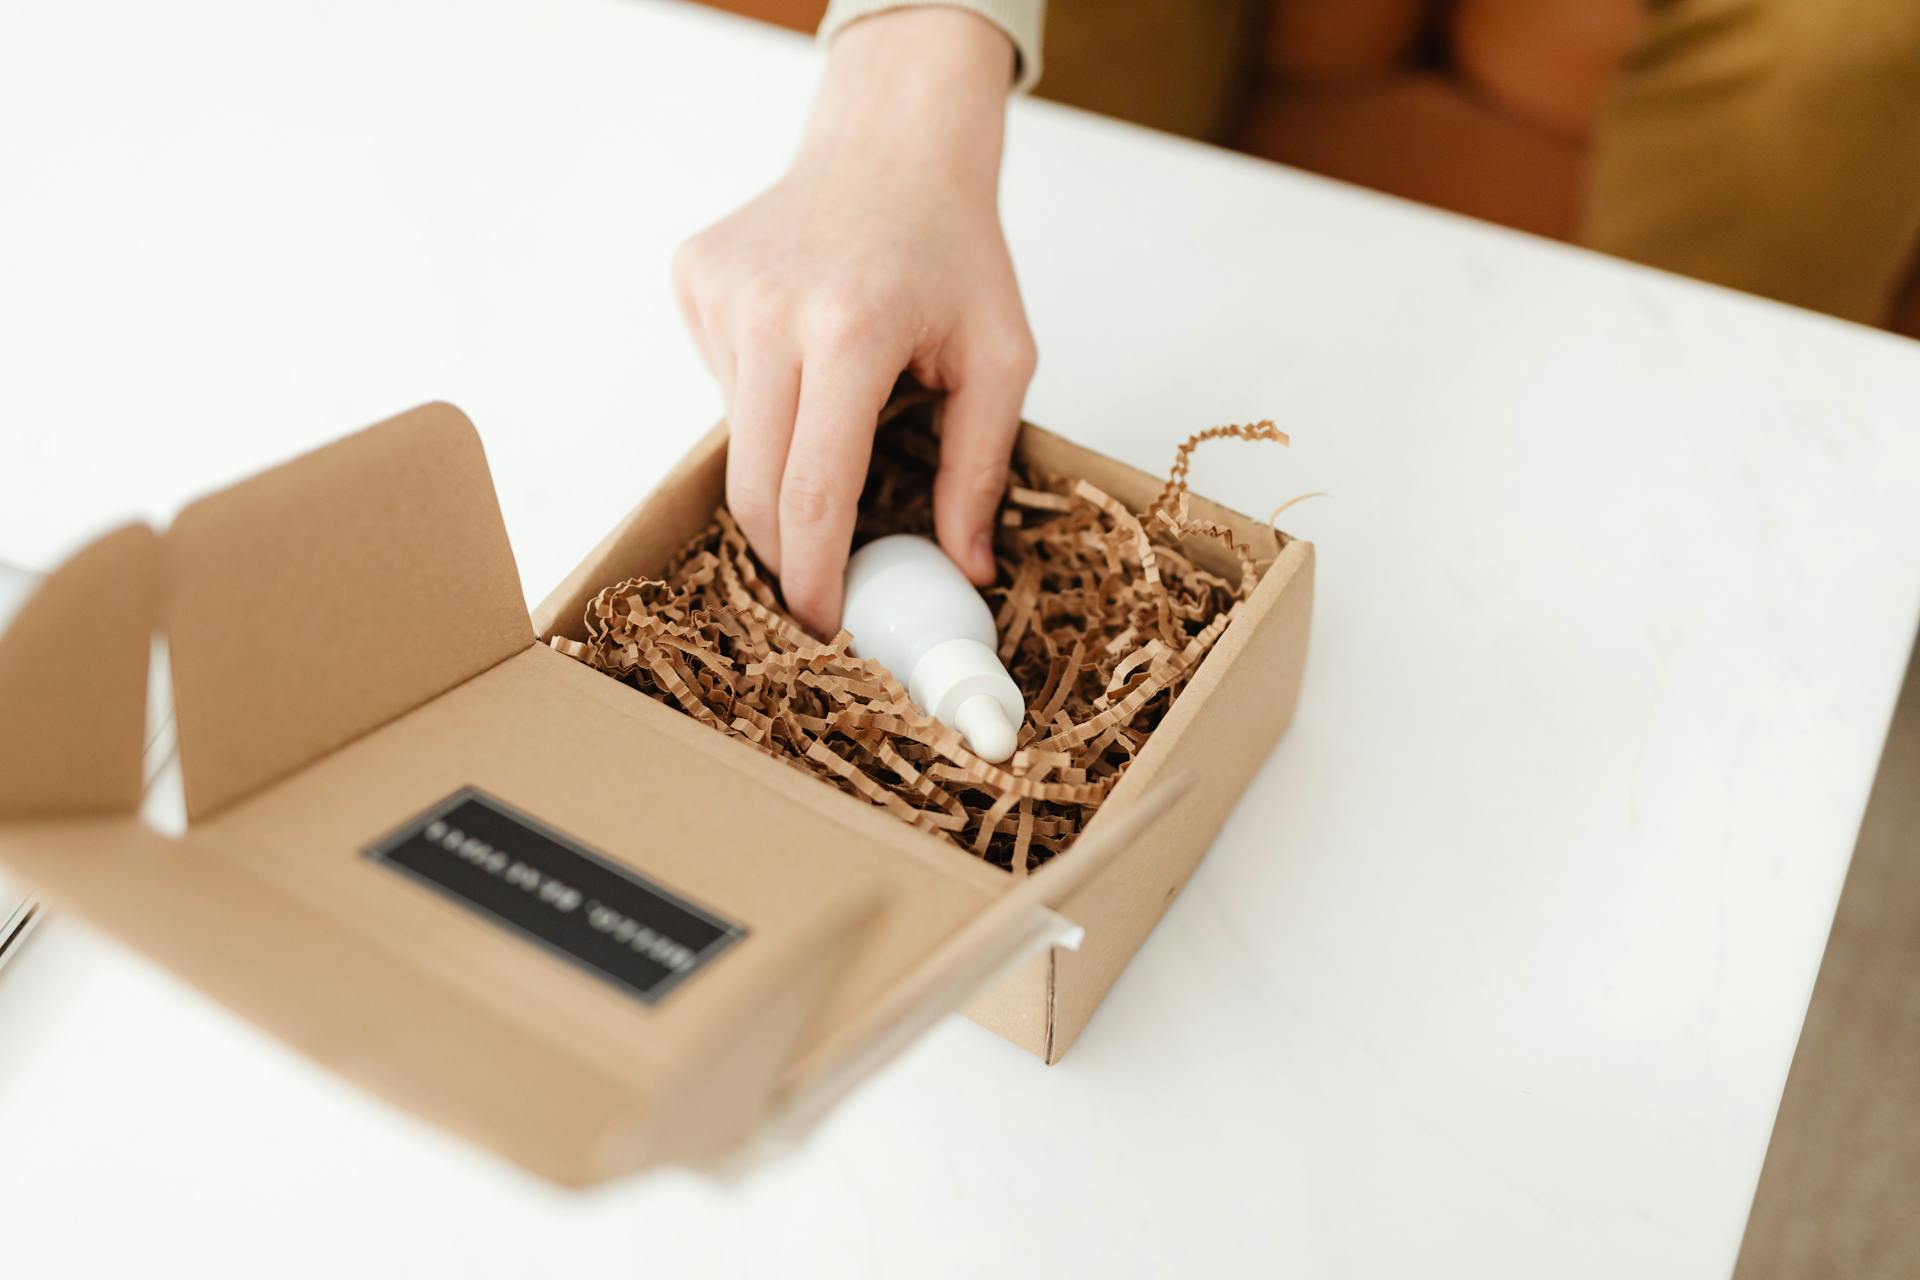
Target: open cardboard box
517,897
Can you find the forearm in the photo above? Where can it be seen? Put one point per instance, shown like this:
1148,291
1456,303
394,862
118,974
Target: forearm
925,91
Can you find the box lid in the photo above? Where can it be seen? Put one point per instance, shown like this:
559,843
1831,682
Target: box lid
347,634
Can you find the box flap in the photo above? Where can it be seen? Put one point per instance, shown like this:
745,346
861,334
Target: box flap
323,598
567,1098
73,682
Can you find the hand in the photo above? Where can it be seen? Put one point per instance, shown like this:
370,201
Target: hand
879,250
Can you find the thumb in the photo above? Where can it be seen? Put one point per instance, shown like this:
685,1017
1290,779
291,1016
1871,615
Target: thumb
977,433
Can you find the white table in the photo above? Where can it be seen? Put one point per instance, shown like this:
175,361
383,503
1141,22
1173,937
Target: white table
1497,969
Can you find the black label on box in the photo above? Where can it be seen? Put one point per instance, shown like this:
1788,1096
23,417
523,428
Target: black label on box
557,892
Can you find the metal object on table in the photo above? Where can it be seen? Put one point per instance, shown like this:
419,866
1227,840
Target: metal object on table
19,925
19,912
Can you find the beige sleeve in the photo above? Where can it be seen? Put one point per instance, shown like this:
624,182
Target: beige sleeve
1022,20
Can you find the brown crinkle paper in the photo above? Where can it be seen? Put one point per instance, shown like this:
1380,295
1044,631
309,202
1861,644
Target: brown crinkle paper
1102,616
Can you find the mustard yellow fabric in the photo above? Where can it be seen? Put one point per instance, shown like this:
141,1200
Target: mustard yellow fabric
1768,145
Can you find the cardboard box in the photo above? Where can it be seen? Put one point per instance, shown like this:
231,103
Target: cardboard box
515,896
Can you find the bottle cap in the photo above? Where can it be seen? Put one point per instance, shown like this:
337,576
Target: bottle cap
953,676
983,723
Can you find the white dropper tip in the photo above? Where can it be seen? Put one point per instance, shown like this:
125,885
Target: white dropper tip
982,721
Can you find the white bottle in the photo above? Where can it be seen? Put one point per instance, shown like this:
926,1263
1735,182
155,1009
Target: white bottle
912,610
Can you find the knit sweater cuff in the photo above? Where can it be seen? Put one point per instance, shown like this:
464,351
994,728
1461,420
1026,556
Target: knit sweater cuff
1022,20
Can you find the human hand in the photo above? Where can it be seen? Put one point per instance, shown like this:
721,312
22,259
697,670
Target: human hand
879,250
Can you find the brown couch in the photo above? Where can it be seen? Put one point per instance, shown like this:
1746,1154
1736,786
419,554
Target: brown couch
1483,107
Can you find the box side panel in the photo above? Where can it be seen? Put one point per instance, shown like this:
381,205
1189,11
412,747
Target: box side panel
1045,1006
641,785
1022,922
1019,1007
1222,729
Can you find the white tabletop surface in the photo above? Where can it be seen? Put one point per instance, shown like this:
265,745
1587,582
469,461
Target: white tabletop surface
1496,970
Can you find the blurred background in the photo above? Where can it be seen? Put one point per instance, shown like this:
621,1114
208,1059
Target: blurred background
1771,146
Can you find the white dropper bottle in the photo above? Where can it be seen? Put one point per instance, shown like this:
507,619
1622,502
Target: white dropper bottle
912,610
